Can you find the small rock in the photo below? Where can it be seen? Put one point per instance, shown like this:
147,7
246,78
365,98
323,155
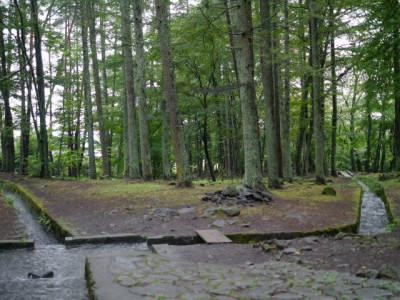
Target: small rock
231,211
232,222
209,212
43,274
311,240
130,207
245,225
268,247
388,272
307,248
112,225
187,210
367,273
281,244
289,251
219,223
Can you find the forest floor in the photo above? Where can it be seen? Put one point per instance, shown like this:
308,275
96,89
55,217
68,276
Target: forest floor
114,206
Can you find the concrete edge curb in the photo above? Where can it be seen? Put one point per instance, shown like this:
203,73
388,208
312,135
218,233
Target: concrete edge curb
104,239
17,244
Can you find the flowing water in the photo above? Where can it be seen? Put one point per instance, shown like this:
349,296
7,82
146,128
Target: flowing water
374,218
67,264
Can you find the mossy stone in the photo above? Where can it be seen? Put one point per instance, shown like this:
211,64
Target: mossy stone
329,191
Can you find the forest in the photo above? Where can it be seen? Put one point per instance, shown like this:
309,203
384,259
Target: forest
191,89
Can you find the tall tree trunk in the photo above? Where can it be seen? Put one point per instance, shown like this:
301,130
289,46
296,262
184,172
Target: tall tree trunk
267,76
141,87
243,27
104,138
180,152
316,95
166,167
133,154
7,131
86,88
369,137
285,119
334,90
43,144
352,136
396,81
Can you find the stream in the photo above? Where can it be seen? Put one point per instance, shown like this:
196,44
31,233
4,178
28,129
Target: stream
374,218
67,264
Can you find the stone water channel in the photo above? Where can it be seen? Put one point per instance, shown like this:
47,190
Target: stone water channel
374,218
67,264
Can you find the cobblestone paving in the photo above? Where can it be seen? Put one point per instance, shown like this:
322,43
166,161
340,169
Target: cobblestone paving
142,275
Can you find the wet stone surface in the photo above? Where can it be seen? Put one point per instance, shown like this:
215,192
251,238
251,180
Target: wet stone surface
150,276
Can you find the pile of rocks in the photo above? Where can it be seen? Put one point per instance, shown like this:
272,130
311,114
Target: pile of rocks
238,196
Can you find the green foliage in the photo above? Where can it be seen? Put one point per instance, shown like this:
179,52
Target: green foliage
10,201
45,222
34,166
375,186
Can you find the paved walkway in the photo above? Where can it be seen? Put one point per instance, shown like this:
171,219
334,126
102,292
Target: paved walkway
143,275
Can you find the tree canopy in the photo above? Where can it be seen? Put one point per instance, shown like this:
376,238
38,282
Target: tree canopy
207,88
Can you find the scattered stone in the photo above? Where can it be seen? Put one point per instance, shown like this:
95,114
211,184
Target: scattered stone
289,251
268,247
164,212
366,292
307,248
231,211
209,212
232,222
129,207
311,240
330,191
112,225
219,223
187,210
43,274
367,273
125,281
281,244
388,272
239,195
245,225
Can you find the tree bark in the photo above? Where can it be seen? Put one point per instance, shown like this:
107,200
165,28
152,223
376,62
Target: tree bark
334,90
180,152
316,96
396,81
7,131
43,144
147,172
267,76
285,119
133,154
104,138
243,27
86,88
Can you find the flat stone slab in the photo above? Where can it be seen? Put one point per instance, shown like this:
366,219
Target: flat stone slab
213,236
145,275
